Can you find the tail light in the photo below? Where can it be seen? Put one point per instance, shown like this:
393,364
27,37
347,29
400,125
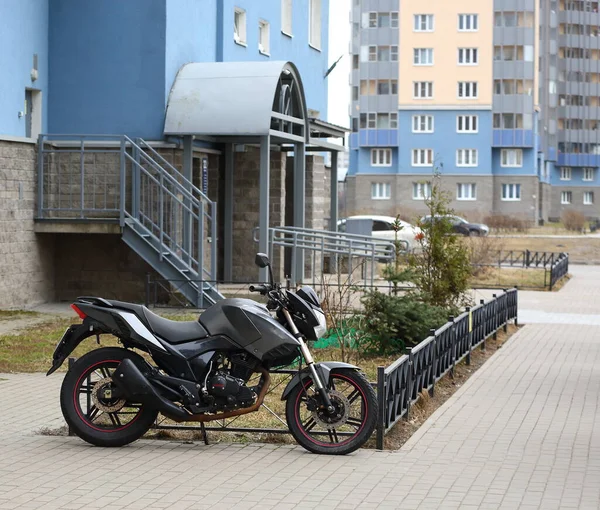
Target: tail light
78,312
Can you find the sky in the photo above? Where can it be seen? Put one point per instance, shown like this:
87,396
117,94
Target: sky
339,40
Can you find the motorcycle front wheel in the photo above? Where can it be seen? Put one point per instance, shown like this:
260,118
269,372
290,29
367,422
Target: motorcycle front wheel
338,433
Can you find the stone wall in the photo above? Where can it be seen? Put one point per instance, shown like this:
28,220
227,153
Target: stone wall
26,270
98,265
591,211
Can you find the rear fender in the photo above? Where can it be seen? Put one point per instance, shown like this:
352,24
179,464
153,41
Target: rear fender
323,369
74,335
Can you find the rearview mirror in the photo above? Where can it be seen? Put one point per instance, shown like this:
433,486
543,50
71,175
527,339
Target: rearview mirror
262,260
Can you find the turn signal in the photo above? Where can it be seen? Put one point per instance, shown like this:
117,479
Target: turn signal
79,312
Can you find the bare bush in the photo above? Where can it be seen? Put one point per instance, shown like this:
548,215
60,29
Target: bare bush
483,251
504,223
573,220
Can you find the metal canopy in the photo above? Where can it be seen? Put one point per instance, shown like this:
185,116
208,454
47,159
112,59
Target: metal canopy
238,99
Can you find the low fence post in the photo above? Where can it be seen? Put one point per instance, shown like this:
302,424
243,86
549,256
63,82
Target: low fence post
453,348
409,383
434,359
469,335
71,362
382,409
505,310
485,326
495,316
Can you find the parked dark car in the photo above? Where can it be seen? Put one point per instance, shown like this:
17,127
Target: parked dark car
463,227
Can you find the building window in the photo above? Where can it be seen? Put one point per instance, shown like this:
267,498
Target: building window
239,26
466,157
588,174
385,87
511,157
393,121
468,56
263,37
372,121
468,23
508,121
466,191
467,124
588,198
394,19
421,190
314,15
511,192
422,157
423,23
423,56
372,20
566,197
394,53
422,89
354,93
565,173
372,53
467,90
381,157
355,63
286,17
381,190
422,124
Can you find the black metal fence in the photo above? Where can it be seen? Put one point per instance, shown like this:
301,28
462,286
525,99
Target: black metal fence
399,386
524,258
559,268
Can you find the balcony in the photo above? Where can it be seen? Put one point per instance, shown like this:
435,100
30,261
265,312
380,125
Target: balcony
374,138
513,138
573,159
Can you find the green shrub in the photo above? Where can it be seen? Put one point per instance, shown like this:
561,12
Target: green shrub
396,322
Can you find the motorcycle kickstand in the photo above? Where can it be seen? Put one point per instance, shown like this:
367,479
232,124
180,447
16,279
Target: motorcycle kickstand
204,435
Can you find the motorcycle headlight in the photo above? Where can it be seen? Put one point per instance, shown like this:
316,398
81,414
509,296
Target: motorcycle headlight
321,329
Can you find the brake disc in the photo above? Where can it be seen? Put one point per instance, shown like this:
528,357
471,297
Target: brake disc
342,405
117,405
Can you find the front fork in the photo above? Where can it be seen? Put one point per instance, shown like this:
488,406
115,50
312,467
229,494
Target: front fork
321,390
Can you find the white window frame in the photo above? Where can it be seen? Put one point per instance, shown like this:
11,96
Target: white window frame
394,53
372,53
466,191
467,124
467,158
371,117
468,56
264,37
239,26
423,56
287,8
473,22
514,192
566,197
422,157
429,22
422,124
393,120
394,19
314,24
373,18
381,157
470,87
418,87
421,190
565,173
504,161
588,174
381,191
588,198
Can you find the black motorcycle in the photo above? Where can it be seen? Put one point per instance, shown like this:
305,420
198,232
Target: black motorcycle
202,369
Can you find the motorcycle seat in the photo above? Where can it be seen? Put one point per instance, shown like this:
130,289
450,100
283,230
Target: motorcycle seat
174,332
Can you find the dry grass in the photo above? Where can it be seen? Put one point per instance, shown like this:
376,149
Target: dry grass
7,315
493,277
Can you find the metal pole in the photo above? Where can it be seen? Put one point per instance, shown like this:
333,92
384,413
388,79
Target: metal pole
41,141
82,171
228,214
299,197
188,161
264,203
333,207
122,184
382,411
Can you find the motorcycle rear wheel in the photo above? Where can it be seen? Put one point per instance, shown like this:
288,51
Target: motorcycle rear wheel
348,428
87,406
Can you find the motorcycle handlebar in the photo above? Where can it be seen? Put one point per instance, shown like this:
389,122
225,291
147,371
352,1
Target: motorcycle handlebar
262,289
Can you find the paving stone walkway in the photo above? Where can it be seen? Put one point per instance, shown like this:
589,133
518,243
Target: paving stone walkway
522,433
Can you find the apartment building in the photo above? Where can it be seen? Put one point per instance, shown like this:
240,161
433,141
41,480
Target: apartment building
499,96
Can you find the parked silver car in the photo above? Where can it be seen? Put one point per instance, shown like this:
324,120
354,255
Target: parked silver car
382,229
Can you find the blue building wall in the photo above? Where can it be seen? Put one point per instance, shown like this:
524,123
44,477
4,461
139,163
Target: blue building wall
311,63
576,178
113,63
529,163
107,67
445,141
23,32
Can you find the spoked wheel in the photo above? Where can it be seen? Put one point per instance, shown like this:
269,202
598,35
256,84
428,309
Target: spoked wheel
344,430
93,406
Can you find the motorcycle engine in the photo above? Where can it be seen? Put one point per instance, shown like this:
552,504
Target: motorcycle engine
230,392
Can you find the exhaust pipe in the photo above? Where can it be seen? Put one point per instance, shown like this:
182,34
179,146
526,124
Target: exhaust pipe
137,388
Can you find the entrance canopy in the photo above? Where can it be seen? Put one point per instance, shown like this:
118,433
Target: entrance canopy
238,99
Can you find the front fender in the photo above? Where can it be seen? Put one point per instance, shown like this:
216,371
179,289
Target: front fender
323,369
74,335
